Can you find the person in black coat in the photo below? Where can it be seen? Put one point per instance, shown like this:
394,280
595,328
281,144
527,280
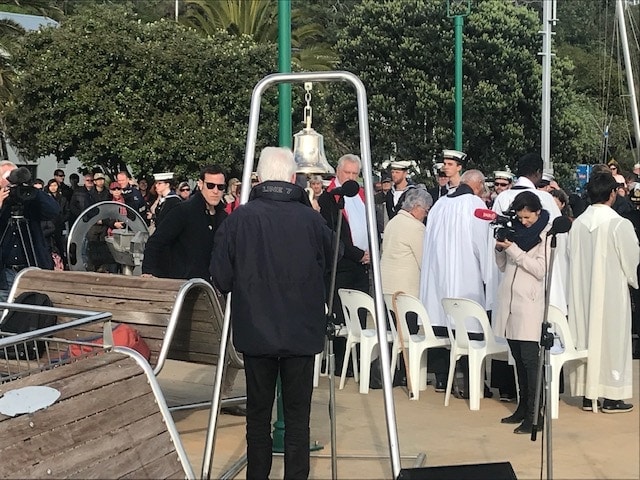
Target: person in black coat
22,209
181,245
271,254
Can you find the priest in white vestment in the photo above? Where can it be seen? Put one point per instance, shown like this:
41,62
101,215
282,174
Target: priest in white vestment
604,255
456,251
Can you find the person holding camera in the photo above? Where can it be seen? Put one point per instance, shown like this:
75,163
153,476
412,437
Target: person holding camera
22,209
522,257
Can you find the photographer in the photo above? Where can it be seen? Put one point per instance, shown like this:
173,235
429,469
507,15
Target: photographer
521,255
22,208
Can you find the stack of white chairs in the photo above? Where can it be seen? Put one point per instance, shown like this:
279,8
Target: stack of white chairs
558,357
459,310
353,301
416,344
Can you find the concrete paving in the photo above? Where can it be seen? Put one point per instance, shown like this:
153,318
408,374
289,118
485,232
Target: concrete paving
584,445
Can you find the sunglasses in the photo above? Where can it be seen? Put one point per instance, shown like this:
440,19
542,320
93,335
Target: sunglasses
211,185
613,167
115,188
500,184
187,189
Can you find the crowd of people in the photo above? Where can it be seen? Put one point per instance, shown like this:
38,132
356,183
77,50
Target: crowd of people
273,254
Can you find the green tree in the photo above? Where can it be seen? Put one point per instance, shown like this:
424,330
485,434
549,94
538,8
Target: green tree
113,91
403,52
259,19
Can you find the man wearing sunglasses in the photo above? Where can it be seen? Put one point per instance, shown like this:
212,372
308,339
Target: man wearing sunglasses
181,245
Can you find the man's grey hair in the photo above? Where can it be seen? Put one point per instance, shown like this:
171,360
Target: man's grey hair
7,163
417,197
276,163
351,158
472,176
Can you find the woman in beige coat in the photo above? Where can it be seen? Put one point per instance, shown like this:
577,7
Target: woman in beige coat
523,259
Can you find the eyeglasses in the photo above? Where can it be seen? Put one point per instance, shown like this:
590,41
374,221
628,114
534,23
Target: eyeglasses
211,186
115,188
500,184
186,189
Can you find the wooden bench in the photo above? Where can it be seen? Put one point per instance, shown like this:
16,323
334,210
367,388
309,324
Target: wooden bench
178,319
110,421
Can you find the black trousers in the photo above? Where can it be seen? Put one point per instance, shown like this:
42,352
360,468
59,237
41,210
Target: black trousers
296,376
525,354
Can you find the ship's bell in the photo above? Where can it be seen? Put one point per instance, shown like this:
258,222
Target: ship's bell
308,152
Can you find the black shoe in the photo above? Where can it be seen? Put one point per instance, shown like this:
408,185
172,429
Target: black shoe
235,410
516,417
441,386
375,383
526,427
616,406
487,392
507,397
587,405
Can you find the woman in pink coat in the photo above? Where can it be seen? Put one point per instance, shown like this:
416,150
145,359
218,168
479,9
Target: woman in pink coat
523,258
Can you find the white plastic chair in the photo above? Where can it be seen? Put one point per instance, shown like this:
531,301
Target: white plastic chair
324,356
353,301
459,309
416,344
559,358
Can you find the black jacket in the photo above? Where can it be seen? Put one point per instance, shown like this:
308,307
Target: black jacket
38,208
181,245
271,253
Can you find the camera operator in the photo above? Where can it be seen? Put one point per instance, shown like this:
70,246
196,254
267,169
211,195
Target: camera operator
22,208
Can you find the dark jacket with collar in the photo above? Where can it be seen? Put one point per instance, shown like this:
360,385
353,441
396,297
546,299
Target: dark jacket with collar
272,254
37,209
181,245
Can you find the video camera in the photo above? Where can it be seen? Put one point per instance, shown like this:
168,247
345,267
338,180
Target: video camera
20,189
503,226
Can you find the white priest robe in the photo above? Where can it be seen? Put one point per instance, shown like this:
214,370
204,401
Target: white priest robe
455,255
604,254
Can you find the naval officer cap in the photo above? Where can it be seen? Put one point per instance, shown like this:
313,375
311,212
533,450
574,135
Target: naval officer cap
163,177
400,165
504,175
456,155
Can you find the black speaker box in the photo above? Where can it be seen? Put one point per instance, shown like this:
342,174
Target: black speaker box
479,471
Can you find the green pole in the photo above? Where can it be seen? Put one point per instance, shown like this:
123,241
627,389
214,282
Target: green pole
284,139
284,65
458,24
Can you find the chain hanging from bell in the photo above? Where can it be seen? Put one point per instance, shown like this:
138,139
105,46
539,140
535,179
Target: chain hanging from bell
308,145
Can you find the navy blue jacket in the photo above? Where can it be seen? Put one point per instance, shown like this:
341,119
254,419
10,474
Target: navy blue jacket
271,254
181,245
36,209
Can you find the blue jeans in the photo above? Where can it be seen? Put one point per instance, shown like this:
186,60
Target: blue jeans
296,376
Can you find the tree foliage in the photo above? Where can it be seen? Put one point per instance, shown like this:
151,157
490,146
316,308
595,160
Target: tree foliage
114,91
404,53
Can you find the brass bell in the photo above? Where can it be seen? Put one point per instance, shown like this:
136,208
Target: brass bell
308,152
308,145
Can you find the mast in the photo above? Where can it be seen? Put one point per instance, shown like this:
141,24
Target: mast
548,20
629,72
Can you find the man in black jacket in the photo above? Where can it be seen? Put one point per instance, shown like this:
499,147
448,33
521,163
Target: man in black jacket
271,254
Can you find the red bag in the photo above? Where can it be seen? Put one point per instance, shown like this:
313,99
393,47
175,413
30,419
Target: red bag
123,336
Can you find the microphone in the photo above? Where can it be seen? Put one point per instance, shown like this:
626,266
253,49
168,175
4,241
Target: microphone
561,224
485,214
350,188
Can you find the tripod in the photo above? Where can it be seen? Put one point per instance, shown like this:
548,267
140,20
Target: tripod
18,223
331,335
544,361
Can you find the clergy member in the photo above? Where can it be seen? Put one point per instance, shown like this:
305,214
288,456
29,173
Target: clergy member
603,254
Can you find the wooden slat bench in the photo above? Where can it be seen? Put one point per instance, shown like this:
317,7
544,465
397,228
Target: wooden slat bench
178,319
111,421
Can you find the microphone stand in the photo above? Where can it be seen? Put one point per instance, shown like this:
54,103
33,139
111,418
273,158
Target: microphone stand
331,335
544,366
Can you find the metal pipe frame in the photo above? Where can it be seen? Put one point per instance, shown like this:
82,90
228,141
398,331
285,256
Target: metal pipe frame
365,155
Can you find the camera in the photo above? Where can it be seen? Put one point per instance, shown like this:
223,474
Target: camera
503,226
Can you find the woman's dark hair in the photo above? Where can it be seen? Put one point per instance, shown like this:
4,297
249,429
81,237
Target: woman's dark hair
564,198
528,200
600,187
